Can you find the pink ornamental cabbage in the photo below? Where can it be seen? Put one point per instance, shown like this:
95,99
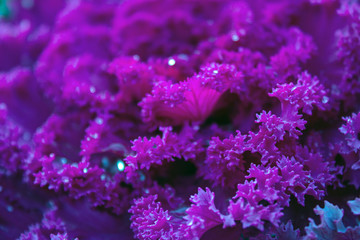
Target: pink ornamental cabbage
173,119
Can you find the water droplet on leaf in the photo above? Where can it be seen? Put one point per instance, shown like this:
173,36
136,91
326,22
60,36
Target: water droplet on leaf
120,165
171,62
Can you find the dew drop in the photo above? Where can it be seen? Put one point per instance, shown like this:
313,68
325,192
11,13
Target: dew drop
105,162
99,121
171,62
142,177
10,208
120,165
103,177
63,160
235,37
325,99
136,57
95,135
